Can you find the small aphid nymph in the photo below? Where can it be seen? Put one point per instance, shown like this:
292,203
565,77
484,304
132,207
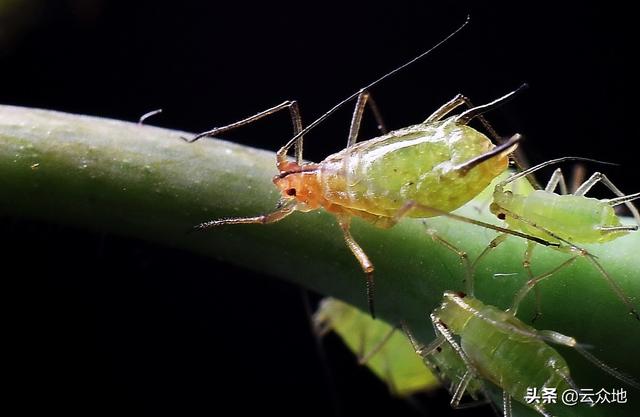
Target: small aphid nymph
566,220
560,221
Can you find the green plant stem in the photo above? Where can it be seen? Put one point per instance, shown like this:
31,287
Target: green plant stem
145,182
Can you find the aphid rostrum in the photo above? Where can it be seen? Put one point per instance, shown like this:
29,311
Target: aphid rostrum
441,163
495,346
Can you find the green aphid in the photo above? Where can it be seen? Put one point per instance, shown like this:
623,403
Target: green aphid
441,163
559,221
565,220
493,346
386,352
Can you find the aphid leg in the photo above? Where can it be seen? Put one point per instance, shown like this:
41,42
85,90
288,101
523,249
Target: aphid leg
363,357
448,337
526,173
273,217
464,258
292,105
460,389
448,107
468,115
506,404
614,286
606,368
626,200
460,100
569,247
491,246
475,403
567,378
540,409
526,263
419,348
557,178
471,373
532,283
560,339
361,256
599,177
364,98
426,351
456,102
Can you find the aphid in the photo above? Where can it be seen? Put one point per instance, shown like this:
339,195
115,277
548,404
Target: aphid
561,221
377,344
391,356
495,346
565,219
441,163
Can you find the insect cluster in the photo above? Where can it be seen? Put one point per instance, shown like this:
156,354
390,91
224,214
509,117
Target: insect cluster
431,169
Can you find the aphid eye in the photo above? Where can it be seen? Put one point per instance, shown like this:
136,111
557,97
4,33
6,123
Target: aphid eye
502,216
291,192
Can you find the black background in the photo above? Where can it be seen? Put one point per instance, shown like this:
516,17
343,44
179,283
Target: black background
101,324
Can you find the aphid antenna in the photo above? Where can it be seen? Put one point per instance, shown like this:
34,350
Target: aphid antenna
419,348
571,245
622,200
412,204
544,335
319,120
364,358
468,115
550,162
606,368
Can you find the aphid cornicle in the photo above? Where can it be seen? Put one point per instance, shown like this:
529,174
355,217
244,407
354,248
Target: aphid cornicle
441,163
493,345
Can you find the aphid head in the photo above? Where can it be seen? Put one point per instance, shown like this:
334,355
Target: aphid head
300,183
453,312
497,211
501,201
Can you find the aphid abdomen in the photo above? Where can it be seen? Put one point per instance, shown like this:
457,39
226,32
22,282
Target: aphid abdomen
577,219
510,360
419,163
